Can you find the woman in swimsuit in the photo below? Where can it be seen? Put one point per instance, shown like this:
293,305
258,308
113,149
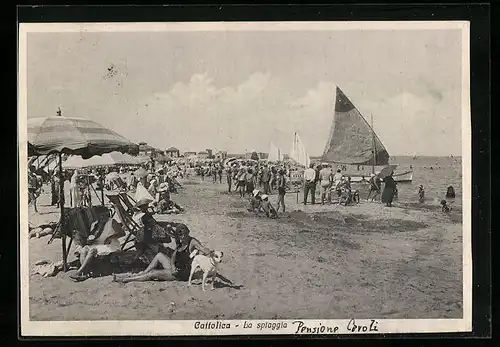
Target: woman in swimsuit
174,267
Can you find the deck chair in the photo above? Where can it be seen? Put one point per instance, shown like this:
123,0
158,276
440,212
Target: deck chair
129,203
78,223
128,224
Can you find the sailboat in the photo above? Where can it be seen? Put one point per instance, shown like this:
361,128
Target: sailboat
352,141
275,153
298,153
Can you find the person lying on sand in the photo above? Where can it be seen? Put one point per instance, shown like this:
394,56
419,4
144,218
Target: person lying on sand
174,267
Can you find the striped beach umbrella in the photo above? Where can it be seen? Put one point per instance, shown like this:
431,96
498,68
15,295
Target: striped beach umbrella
75,136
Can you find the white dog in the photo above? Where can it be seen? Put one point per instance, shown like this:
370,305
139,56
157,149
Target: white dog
207,264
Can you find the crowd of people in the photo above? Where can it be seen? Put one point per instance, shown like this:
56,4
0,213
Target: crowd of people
154,186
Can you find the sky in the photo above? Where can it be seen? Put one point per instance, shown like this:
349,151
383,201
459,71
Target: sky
240,90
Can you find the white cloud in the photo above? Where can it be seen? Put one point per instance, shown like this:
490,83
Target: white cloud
198,115
407,123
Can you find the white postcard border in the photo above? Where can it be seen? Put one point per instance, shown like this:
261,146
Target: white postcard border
241,327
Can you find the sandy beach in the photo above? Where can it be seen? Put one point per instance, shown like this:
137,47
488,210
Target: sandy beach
363,261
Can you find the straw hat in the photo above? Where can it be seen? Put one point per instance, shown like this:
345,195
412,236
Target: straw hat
163,187
143,202
255,192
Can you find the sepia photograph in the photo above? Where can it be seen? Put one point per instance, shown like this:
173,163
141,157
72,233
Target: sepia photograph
244,178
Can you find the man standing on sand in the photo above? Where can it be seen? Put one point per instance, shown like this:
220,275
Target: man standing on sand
309,184
326,177
213,172
281,190
219,171
266,178
375,187
229,176
34,187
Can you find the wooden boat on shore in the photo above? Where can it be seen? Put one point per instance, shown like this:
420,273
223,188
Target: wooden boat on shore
401,176
352,142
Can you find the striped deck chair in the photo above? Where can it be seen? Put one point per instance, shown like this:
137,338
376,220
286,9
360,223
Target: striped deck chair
128,224
160,235
130,202
78,222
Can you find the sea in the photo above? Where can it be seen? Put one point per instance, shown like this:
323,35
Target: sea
435,174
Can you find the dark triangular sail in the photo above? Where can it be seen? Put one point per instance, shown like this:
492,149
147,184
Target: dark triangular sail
352,139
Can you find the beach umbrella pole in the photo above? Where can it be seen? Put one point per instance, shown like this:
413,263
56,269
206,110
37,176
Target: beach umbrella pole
101,178
61,204
89,191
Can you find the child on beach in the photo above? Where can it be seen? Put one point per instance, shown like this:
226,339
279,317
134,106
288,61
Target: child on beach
421,194
444,207
255,201
268,208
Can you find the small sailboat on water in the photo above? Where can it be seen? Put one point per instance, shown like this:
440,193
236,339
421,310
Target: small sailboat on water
352,142
275,154
298,153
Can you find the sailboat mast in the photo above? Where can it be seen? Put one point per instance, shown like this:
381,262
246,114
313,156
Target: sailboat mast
373,146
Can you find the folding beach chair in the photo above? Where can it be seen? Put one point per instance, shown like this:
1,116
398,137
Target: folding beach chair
128,224
130,202
78,223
